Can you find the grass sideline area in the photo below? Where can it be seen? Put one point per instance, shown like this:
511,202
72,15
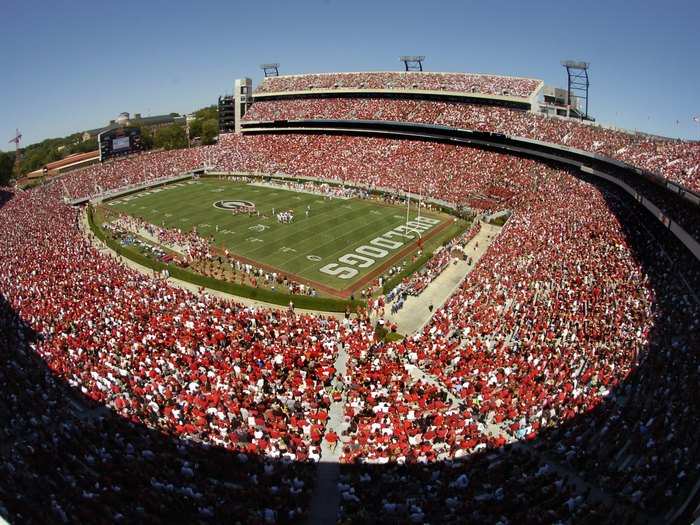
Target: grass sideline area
323,304
304,249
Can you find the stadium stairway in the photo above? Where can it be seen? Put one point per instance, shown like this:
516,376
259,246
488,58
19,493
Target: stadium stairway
415,313
325,501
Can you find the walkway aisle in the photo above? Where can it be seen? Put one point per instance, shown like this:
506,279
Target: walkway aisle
325,502
415,313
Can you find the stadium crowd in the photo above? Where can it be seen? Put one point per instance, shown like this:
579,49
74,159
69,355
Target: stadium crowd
249,380
572,330
455,82
432,169
676,160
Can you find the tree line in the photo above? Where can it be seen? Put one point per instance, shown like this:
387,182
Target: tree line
203,129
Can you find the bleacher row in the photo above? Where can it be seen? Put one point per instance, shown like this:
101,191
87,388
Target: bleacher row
411,80
573,337
676,160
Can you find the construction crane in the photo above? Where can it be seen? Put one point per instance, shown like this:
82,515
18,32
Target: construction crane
17,138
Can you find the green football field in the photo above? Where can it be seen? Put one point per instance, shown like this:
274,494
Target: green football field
337,245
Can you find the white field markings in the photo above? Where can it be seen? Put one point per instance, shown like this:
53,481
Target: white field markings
328,233
279,234
227,232
366,256
287,249
346,246
254,239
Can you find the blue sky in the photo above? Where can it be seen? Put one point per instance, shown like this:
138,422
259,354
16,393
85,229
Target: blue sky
73,65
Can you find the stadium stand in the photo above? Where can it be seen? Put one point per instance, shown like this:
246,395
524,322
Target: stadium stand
557,384
412,80
676,160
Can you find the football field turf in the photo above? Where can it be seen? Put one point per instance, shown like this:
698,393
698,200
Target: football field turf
321,248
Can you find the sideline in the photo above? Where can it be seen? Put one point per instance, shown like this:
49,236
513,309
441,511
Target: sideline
194,288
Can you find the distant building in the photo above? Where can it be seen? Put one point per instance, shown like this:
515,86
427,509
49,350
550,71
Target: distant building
125,119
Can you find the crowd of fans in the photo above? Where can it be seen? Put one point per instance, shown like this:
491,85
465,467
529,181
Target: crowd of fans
323,189
125,171
676,160
573,336
189,243
248,380
430,169
454,82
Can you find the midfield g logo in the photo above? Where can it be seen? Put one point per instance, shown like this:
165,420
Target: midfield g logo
235,206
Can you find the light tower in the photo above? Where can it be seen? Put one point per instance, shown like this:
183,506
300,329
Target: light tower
17,138
413,62
271,70
577,88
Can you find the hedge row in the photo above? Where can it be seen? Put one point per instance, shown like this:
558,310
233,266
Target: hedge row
325,304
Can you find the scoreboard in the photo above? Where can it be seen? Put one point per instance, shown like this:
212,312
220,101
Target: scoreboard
117,142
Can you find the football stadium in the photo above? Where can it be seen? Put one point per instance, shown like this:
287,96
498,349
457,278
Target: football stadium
384,296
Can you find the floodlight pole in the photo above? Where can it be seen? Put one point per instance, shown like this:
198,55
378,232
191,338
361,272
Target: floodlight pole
577,83
413,62
270,70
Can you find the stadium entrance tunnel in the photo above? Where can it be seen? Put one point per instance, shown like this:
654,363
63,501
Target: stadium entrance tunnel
68,458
